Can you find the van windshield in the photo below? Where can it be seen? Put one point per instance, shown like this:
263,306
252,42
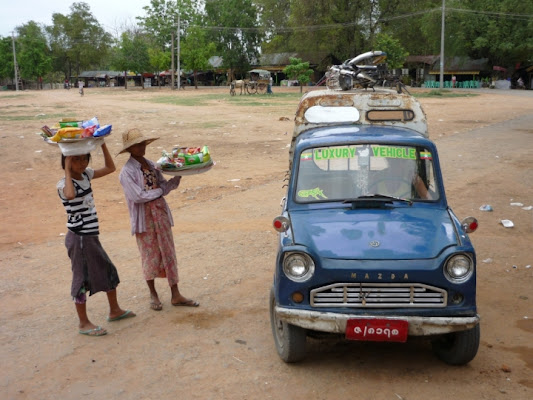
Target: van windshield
339,173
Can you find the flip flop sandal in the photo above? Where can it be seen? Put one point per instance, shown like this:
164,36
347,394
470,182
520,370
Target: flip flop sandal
127,314
98,331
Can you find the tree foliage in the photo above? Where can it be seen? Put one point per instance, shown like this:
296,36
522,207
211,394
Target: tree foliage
161,19
33,55
77,40
132,53
396,54
233,26
332,31
159,60
196,51
501,31
299,70
7,69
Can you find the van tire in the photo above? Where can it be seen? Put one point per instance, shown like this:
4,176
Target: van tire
457,348
289,339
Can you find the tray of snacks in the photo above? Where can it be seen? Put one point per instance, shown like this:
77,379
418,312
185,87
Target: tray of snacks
76,137
186,161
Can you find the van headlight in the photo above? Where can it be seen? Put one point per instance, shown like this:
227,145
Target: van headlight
459,268
298,267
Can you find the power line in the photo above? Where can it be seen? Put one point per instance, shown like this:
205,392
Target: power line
287,29
524,17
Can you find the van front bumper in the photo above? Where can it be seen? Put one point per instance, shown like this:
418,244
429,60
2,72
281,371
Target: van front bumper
336,322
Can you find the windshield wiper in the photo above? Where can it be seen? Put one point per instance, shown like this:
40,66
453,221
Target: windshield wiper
375,198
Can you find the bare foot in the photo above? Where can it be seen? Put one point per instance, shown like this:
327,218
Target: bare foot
155,303
182,301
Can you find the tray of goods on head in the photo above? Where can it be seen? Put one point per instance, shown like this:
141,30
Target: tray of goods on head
185,161
76,137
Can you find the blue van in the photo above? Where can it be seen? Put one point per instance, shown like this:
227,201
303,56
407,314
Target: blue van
368,246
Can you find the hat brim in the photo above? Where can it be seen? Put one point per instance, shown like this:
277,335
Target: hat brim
136,141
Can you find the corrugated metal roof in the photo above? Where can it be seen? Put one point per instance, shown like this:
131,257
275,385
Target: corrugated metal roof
100,74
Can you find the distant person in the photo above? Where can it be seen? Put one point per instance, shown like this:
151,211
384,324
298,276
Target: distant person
150,217
92,270
270,82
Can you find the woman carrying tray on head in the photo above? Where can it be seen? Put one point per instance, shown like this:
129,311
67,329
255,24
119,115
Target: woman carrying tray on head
92,270
150,217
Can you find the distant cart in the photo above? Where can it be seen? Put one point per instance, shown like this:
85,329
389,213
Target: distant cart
257,80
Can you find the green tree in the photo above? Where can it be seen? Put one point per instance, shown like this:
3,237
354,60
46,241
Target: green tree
77,40
7,70
161,19
33,55
196,51
297,69
343,28
499,30
416,24
396,54
159,61
274,16
234,30
132,55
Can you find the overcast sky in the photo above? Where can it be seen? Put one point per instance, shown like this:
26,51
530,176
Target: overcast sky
111,14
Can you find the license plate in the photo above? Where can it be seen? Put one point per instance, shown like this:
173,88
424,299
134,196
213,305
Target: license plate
377,330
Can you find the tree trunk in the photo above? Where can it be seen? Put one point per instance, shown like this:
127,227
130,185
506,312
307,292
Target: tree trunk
125,80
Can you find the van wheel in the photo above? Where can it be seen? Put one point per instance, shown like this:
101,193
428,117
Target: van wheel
457,348
289,339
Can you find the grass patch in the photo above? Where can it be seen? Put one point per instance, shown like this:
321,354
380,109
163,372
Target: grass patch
188,101
38,117
262,100
443,93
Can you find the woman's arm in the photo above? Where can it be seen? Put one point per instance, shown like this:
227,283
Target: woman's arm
134,191
169,185
69,191
109,164
166,185
421,188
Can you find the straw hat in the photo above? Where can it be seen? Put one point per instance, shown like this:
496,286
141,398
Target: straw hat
134,136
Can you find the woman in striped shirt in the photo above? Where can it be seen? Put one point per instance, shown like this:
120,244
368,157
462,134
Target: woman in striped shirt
92,270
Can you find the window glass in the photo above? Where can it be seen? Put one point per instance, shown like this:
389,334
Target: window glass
346,172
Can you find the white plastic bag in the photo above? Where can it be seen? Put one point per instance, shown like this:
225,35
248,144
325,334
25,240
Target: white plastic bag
80,147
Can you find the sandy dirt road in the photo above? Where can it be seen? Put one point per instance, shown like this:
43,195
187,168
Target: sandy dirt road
226,249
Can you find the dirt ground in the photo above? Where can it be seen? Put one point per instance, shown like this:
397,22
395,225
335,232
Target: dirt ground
226,251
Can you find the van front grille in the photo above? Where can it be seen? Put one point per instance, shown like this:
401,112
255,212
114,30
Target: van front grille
378,295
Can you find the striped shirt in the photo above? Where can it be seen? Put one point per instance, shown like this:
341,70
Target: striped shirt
81,211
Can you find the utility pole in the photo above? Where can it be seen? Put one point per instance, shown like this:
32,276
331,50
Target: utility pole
442,47
179,68
172,58
15,62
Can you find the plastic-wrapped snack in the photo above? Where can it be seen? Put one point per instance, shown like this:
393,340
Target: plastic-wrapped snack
73,124
91,122
47,132
192,155
103,131
167,162
67,133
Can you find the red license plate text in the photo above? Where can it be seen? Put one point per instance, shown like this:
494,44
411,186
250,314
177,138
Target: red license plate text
377,330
